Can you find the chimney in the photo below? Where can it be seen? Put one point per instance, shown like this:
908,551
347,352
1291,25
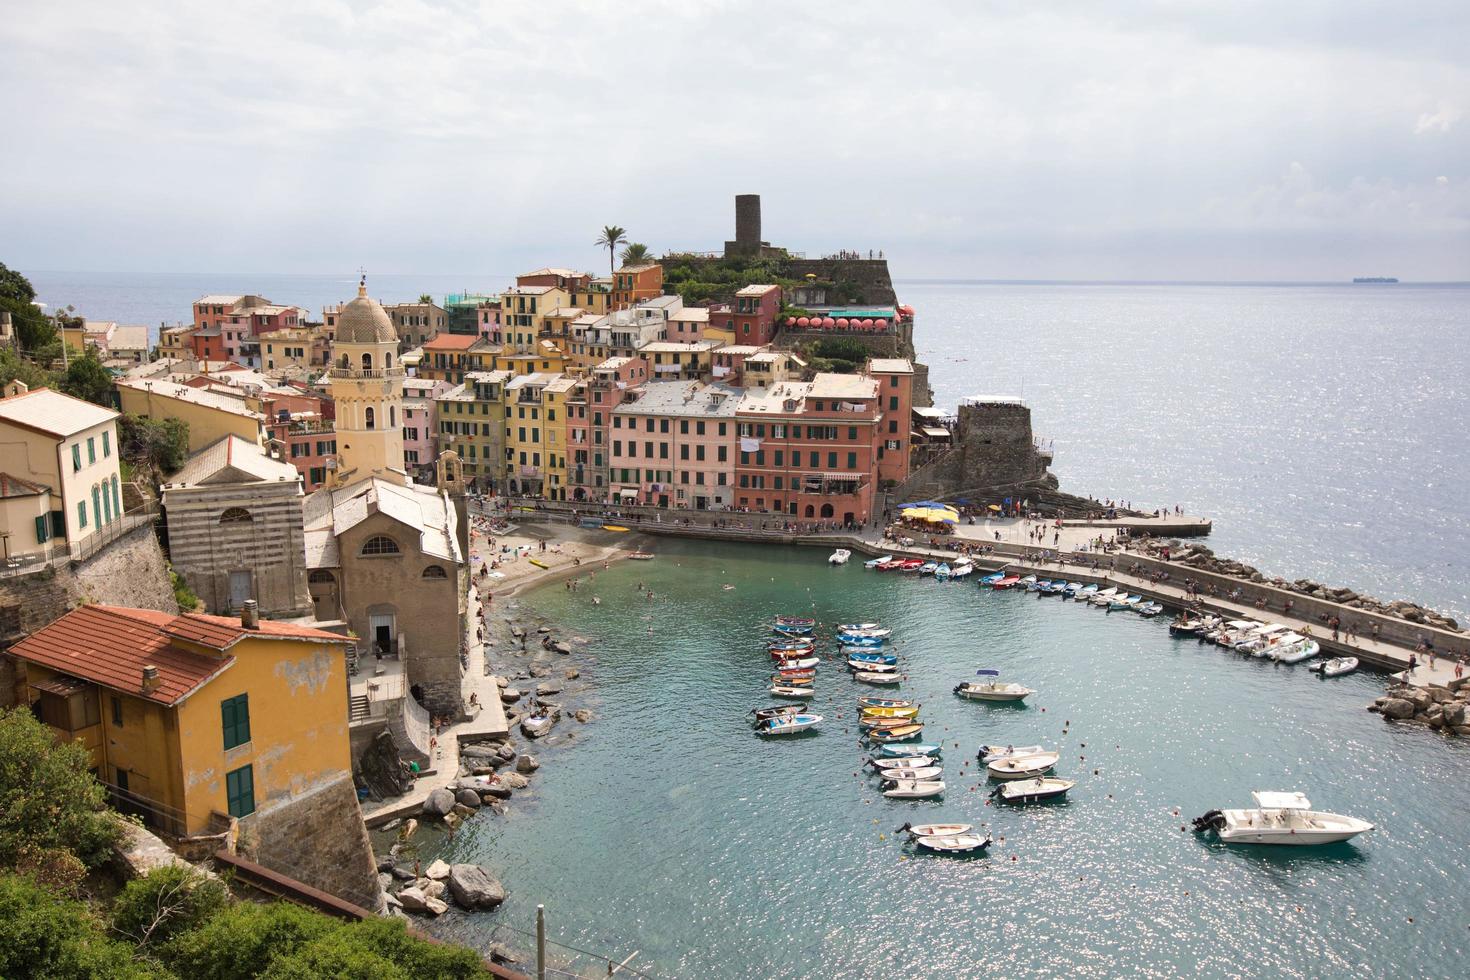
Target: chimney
250,615
150,678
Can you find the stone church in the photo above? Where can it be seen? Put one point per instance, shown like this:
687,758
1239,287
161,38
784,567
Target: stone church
384,554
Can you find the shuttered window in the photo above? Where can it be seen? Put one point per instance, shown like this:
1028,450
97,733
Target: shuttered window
235,716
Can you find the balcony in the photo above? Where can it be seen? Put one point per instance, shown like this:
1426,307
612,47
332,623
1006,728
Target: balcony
377,374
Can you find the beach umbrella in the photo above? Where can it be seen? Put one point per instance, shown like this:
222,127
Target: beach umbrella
995,507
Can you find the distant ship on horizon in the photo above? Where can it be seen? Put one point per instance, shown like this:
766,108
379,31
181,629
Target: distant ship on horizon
1375,279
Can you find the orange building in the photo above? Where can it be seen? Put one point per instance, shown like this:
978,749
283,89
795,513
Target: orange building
635,283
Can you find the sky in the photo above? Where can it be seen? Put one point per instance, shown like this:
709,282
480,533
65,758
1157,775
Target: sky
1070,139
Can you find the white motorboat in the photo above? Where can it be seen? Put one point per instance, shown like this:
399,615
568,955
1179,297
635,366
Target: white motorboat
989,753
962,568
1252,639
856,627
993,689
839,557
934,829
1027,790
872,666
1335,667
912,775
1294,648
782,691
1103,596
1233,631
797,663
789,724
954,843
1280,818
1022,766
878,562
901,762
910,790
873,677
1149,609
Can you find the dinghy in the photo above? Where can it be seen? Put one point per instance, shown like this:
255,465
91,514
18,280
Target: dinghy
873,677
788,629
928,568
806,621
917,748
839,557
795,673
873,658
875,632
1184,625
993,689
793,681
903,711
1005,582
797,663
991,579
900,762
910,790
1028,583
872,666
896,734
1295,648
990,753
961,569
1086,591
785,691
1102,596
921,774
874,724
1335,667
856,627
1022,766
1281,818
861,643
775,711
942,573
1149,609
1121,601
789,724
934,829
878,562
1041,587
864,703
1028,790
953,843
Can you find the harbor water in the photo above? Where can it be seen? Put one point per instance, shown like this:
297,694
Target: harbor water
668,827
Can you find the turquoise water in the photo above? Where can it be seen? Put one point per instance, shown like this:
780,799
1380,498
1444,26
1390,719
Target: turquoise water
669,828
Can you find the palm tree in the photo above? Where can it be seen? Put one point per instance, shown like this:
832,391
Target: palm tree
636,252
612,237
426,299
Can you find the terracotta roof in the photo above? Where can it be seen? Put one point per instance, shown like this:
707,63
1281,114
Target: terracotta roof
14,486
110,646
451,341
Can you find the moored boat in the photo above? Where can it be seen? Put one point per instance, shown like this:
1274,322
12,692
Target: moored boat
789,724
866,702
640,556
915,774
871,657
797,663
991,579
911,790
900,762
906,711
839,557
869,724
1102,596
787,691
1280,818
1027,790
953,843
928,568
1022,766
1335,667
916,748
1006,582
943,572
990,753
1295,648
878,562
856,627
896,734
934,829
1028,583
1149,609
872,666
992,689
961,568
876,677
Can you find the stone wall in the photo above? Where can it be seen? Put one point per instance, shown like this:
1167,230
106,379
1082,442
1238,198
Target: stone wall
130,571
869,276
318,838
993,454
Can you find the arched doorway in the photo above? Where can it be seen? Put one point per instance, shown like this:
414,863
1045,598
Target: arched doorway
827,510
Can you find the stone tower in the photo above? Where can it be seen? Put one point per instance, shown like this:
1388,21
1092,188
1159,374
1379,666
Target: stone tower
747,227
367,386
449,478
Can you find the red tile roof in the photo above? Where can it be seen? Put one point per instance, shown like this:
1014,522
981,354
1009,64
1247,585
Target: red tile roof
451,341
110,645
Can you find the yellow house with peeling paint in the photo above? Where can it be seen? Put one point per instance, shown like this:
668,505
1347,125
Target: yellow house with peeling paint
193,719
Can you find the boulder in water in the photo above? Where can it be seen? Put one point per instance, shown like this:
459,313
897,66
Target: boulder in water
474,888
439,803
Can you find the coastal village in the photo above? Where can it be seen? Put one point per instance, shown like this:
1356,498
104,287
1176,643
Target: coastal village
300,641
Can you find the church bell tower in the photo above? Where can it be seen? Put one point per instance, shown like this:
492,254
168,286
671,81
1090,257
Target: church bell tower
367,386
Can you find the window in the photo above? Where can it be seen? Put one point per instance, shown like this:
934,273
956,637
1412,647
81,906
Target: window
435,571
117,716
106,444
852,461
81,513
893,403
724,454
235,716
240,791
393,417
43,529
96,507
367,362
91,450
893,381
371,421
76,457
380,545
237,515
318,474
831,461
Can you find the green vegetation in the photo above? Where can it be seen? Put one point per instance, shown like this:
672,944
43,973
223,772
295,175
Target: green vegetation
186,598
635,253
160,443
87,379
699,280
17,296
612,236
425,298
173,923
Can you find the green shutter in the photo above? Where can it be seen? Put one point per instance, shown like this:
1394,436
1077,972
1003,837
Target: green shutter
235,719
240,791
43,527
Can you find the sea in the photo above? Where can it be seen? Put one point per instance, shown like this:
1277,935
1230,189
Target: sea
1324,427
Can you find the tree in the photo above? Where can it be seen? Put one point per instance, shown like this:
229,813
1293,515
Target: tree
160,443
49,801
612,237
88,380
45,935
634,253
426,299
166,902
17,297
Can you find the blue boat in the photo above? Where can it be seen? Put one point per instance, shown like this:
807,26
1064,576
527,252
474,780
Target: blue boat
1041,585
942,572
852,640
992,578
1057,587
904,751
792,629
874,658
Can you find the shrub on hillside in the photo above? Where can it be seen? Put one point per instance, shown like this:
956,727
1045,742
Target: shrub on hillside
45,935
165,903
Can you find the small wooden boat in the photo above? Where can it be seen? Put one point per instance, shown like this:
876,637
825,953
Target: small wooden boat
1028,790
874,677
792,673
908,565
774,711
954,843
789,653
900,734
615,527
928,568
907,711
839,557
793,681
991,579
865,703
806,621
961,570
1022,766
1006,582
1149,609
872,667
861,642
942,573
917,775
990,753
878,562
900,762
641,556
1041,586
1102,597
1183,625
934,829
789,724
900,751
909,790
1028,583
797,663
1057,587
873,658
1086,591
871,724
1335,667
786,691
875,632
791,629
855,627
1121,601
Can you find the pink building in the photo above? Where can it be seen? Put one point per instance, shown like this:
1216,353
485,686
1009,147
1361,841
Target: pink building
673,446
420,422
590,409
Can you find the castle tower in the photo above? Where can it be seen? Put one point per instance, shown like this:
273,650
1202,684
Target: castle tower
367,385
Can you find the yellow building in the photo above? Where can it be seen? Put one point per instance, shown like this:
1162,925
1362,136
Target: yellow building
471,419
291,352
367,387
536,435
191,720
522,309
210,413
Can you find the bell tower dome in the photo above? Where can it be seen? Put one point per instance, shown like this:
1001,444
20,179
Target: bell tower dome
367,386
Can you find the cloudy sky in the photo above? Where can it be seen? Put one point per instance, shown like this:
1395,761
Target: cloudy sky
1159,139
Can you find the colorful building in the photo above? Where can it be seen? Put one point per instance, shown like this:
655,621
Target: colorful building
211,412
470,421
895,377
672,446
634,283
590,408
753,315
